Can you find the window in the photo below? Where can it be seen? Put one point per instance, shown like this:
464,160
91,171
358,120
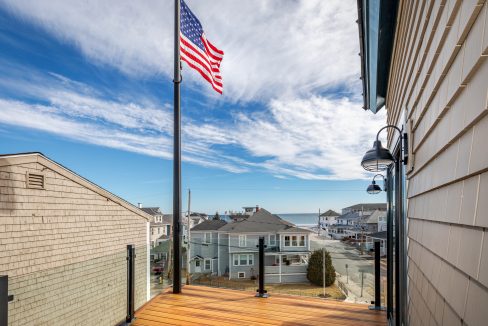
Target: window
242,241
272,240
197,263
241,275
287,240
243,259
152,231
208,264
207,237
294,241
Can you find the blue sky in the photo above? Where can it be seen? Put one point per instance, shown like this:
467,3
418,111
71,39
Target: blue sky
89,85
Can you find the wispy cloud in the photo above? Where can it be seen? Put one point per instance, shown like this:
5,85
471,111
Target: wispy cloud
296,59
272,47
313,138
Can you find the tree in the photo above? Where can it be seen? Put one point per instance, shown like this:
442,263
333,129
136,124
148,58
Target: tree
315,272
216,216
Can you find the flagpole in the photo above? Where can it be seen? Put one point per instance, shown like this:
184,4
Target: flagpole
177,157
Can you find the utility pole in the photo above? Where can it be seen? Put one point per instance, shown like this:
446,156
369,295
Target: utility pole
318,224
188,240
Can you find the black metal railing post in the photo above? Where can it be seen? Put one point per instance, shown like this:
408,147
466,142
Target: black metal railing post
5,298
377,277
262,293
131,263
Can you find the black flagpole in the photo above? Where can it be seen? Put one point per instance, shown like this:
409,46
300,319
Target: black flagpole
177,158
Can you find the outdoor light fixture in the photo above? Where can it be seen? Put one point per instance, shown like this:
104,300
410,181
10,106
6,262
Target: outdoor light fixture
373,188
379,158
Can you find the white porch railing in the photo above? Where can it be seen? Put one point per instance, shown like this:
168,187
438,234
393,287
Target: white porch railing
285,269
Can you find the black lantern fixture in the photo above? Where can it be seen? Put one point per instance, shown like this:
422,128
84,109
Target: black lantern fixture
379,158
373,188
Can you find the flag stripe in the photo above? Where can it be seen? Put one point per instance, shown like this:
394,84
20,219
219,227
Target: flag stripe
203,73
189,47
199,53
201,68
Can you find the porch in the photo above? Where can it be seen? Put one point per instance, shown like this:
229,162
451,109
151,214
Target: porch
199,305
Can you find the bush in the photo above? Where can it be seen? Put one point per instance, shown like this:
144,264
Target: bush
314,270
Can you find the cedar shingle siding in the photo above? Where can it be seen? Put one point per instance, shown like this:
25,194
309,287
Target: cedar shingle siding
64,246
438,82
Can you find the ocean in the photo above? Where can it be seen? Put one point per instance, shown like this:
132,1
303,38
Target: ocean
309,219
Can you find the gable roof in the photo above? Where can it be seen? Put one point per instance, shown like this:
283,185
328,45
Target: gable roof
349,216
37,157
152,210
374,217
209,225
330,213
261,221
368,206
378,235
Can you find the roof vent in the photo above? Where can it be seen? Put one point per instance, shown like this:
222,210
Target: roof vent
35,180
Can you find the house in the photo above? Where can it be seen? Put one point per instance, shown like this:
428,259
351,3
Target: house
247,211
359,220
160,228
426,64
63,245
197,218
230,249
327,219
365,209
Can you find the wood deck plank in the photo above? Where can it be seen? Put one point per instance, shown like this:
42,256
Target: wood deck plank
199,305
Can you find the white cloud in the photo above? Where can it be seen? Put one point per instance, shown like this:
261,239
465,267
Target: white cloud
282,54
315,138
271,47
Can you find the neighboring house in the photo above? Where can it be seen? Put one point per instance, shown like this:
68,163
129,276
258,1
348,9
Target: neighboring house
327,219
365,208
376,222
197,218
160,228
63,245
230,249
358,221
376,236
248,211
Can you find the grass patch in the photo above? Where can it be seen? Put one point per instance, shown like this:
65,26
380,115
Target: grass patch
303,289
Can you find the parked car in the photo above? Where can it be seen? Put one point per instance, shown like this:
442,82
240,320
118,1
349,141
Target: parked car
158,268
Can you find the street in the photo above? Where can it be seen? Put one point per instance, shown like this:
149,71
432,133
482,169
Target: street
349,266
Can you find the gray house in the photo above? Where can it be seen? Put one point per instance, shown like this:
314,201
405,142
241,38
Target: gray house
230,249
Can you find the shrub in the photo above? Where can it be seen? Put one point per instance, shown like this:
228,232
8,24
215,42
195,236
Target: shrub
315,265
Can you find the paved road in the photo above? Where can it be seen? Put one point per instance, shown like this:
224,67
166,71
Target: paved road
343,254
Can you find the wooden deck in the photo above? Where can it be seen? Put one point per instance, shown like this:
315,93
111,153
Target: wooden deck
199,305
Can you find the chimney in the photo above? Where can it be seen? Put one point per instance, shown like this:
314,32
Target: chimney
139,204
257,208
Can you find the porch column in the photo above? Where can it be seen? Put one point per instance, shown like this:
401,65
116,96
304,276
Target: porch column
279,256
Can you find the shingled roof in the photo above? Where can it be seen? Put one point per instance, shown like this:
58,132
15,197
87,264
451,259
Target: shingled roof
330,213
209,225
261,221
368,206
152,210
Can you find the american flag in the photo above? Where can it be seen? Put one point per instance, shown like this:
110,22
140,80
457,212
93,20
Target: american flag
197,51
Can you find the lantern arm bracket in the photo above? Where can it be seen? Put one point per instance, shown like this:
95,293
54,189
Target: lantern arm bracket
403,137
